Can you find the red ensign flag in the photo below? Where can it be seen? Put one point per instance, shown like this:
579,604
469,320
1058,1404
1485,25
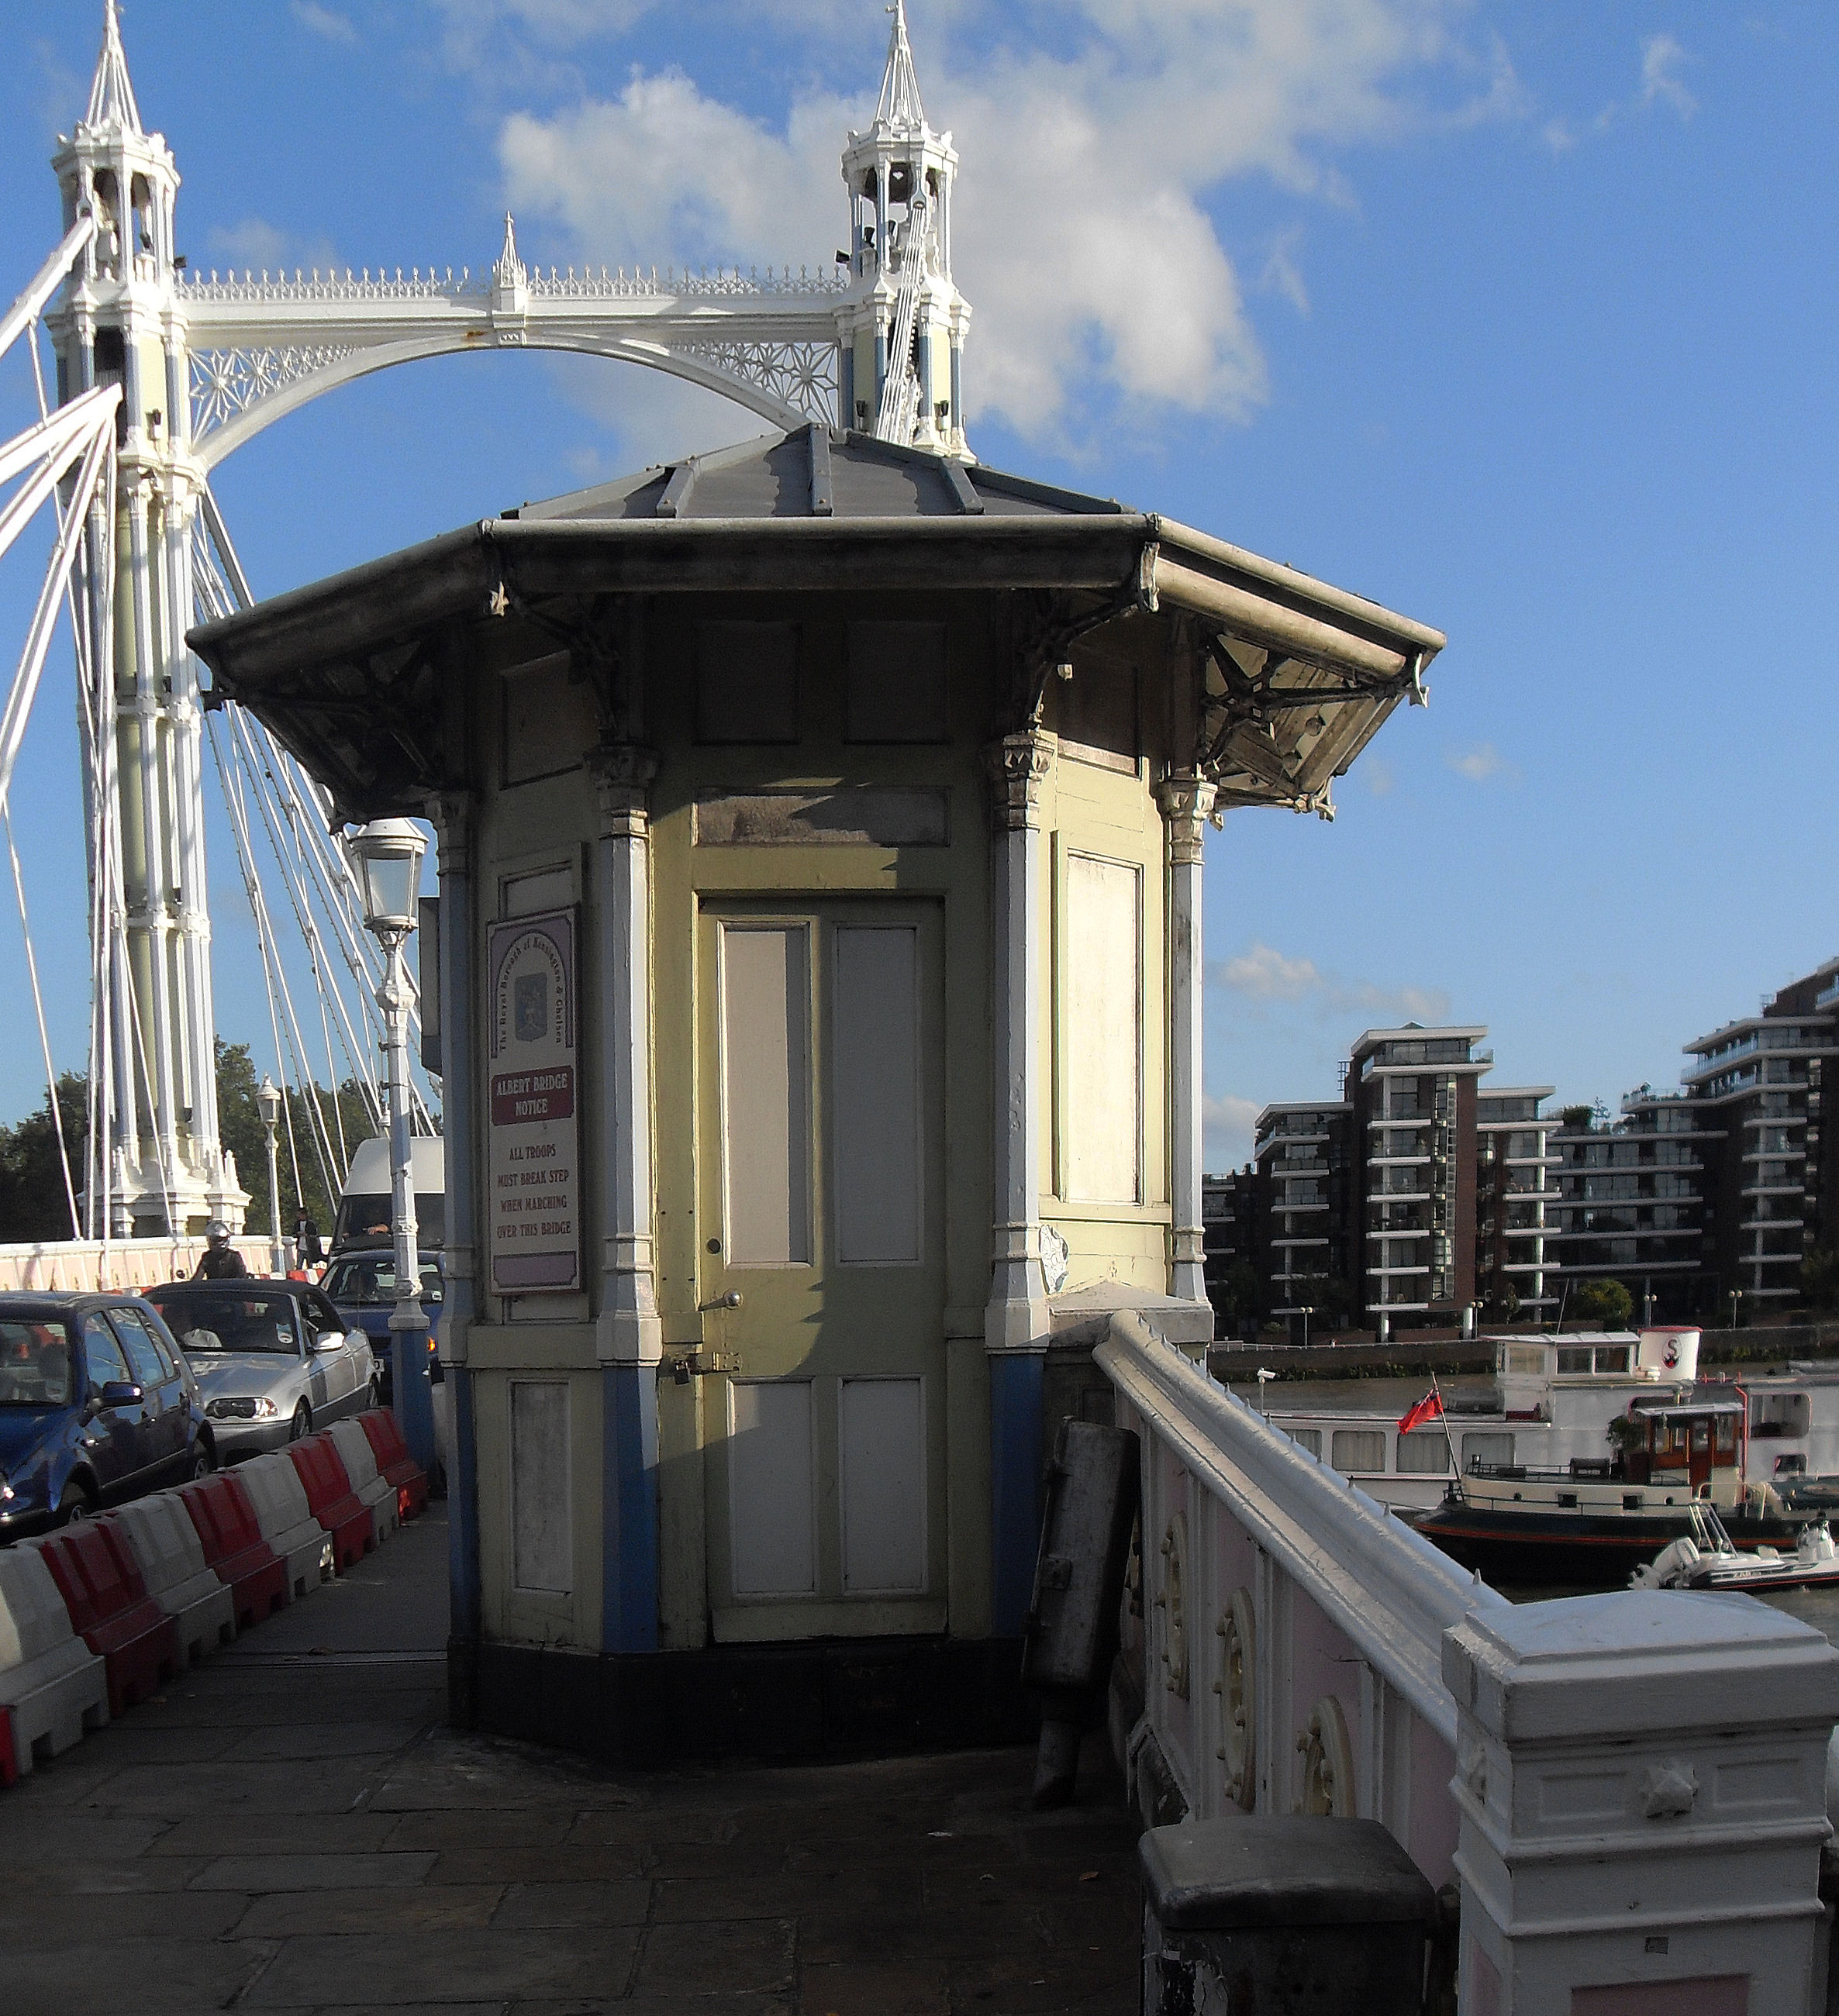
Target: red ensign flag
1429,1408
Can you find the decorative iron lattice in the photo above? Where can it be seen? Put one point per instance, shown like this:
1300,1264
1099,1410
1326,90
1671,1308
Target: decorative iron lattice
590,283
803,375
226,383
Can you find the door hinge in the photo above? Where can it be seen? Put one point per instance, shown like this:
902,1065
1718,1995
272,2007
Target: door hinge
700,1364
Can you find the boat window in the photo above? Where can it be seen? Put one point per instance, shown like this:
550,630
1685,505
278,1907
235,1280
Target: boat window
1727,1438
1573,1358
1308,1438
1359,1449
1773,1414
1524,1358
1485,1448
1612,1357
1424,1452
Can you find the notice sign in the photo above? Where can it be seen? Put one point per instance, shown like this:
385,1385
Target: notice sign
535,1160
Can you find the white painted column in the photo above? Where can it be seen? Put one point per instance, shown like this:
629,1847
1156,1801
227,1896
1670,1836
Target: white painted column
628,1331
1016,1317
1186,800
1641,1781
1016,1320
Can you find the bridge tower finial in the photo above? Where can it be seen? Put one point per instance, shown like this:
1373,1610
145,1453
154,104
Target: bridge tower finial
111,93
902,375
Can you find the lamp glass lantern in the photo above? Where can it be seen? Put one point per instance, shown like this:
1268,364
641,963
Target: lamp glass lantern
389,854
268,1101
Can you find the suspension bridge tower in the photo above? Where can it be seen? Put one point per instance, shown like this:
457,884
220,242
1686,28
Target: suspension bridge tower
121,320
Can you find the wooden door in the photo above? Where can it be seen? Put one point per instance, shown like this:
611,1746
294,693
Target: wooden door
821,1205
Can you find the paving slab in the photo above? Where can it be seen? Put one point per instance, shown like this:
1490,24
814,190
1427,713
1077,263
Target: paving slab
718,1957
262,1873
429,1907
576,1903
407,1967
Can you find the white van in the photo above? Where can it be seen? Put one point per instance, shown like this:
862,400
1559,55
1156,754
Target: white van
364,1208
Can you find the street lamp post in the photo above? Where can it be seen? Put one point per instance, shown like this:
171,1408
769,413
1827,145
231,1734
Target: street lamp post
268,1102
1737,1296
1308,1311
389,852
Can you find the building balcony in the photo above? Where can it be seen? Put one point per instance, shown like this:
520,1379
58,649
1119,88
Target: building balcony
1774,1155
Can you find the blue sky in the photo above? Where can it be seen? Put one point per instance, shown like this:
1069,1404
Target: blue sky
1516,317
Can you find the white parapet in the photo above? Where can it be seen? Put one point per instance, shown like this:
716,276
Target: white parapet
87,1266
1630,1789
55,1686
1642,1781
171,1557
359,1459
286,1521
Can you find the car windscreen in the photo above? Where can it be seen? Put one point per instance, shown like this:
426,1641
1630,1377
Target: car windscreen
231,1322
367,1214
368,1280
35,1365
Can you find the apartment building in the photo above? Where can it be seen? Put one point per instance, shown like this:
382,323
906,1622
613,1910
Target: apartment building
1304,1208
1517,1184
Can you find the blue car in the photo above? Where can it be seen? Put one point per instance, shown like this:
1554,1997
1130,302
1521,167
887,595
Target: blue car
97,1404
362,1287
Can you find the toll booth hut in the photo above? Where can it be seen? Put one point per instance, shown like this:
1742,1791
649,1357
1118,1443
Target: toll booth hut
820,831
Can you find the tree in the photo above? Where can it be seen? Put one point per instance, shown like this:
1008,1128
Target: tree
1819,1279
1605,1303
1238,1295
240,1128
33,1202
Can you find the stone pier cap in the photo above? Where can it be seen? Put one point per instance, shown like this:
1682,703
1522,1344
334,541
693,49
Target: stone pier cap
1638,1661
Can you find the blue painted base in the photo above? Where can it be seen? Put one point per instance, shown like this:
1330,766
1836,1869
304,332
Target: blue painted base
1014,1486
413,1399
463,1509
629,1536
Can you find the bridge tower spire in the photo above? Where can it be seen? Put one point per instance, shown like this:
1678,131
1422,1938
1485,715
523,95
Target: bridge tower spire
121,319
903,335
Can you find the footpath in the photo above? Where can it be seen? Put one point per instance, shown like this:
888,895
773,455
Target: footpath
292,1826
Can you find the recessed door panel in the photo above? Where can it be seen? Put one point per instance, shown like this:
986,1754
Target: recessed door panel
875,1083
769,1483
766,1105
882,1437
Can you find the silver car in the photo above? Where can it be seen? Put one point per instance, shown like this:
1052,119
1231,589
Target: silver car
274,1359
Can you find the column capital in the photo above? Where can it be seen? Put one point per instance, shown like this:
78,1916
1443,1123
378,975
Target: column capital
622,773
450,813
1186,800
1019,765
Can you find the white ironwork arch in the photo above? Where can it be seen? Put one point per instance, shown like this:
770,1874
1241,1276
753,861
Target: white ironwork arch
295,377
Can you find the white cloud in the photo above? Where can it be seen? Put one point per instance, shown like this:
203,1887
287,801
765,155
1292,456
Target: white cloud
1262,973
1082,235
1226,1121
260,247
1380,779
1282,274
1661,58
1478,764
1560,135
324,21
1265,974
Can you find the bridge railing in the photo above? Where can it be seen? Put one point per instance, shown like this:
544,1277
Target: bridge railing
77,1265
1626,1791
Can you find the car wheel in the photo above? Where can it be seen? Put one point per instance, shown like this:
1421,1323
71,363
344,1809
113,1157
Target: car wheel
301,1425
76,1503
201,1463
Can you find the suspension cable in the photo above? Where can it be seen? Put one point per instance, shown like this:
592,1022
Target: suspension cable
57,1116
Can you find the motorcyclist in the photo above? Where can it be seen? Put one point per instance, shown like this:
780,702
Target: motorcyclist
220,1260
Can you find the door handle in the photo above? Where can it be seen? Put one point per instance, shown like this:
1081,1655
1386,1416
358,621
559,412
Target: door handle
732,1300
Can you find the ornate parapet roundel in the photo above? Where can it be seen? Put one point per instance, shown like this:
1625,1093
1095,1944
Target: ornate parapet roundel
1172,1603
1238,1689
1328,1761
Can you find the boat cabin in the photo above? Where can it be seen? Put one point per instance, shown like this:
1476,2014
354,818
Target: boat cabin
1693,1438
